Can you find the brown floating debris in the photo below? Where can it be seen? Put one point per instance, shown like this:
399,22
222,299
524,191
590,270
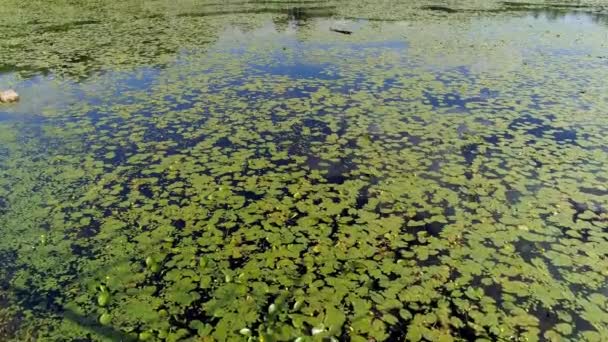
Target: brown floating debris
439,9
340,31
8,96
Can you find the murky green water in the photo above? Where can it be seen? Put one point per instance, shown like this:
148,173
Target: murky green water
196,171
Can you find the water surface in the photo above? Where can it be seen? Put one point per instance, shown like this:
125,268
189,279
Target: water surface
202,171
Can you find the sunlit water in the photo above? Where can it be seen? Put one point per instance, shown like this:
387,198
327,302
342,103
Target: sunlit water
251,174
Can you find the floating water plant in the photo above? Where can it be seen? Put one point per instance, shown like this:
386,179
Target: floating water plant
105,319
146,336
103,299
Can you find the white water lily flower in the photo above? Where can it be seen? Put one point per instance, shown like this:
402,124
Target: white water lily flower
316,331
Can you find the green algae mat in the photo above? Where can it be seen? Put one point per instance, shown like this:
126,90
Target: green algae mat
304,171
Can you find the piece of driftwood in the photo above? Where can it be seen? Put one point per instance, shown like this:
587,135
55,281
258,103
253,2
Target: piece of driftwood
340,31
440,9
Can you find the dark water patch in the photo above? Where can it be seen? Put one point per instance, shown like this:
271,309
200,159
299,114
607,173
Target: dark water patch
432,228
579,209
124,190
508,136
154,133
90,230
146,191
362,198
282,162
317,125
536,102
4,206
455,76
467,331
334,172
548,318
494,291
469,152
223,142
82,250
412,139
585,235
445,100
237,263
592,191
195,312
492,139
390,83
513,196
595,208
565,136
540,129
183,101
528,249
524,122
537,163
38,299
396,332
264,245
8,259
335,177
435,165
334,230
486,93
119,154
179,224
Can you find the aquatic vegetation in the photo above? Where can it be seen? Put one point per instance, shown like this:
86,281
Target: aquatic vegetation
105,319
240,172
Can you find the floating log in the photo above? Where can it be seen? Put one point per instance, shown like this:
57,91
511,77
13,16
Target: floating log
340,31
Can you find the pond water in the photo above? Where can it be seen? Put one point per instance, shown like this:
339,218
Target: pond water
304,171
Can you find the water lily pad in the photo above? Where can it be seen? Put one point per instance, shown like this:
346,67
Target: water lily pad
105,319
103,299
